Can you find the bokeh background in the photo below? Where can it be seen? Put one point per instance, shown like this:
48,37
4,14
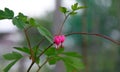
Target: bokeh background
100,16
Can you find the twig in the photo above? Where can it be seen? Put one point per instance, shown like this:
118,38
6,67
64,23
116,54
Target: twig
40,42
30,66
29,45
95,34
31,51
42,65
60,30
37,46
45,50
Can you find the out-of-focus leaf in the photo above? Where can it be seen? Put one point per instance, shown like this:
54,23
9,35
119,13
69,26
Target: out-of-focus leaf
22,17
43,31
12,56
16,21
72,64
32,22
53,60
60,50
74,7
7,68
9,14
73,13
63,10
6,14
54,52
72,54
51,52
20,20
81,7
23,49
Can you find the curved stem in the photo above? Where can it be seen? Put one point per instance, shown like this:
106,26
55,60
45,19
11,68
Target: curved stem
95,34
60,30
31,51
42,65
29,45
30,66
37,46
45,50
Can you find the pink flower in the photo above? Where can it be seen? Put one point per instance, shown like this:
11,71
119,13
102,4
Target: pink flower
58,40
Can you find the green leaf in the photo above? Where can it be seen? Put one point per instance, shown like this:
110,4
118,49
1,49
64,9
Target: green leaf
32,22
54,52
81,7
51,52
2,14
43,31
9,14
74,7
22,17
37,60
72,54
53,60
7,68
72,64
6,14
20,20
73,13
60,50
16,21
12,56
63,10
24,49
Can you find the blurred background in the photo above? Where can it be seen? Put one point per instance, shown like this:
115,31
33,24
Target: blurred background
100,16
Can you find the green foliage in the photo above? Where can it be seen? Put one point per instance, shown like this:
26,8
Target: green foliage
64,10
20,21
32,22
6,14
43,31
72,54
24,49
72,60
51,52
74,8
7,68
72,64
14,56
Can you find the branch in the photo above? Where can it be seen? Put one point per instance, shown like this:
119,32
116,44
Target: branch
60,30
95,34
45,50
31,51
42,65
37,46
30,66
29,45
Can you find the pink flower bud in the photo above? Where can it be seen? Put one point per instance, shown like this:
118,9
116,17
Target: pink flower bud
58,40
62,38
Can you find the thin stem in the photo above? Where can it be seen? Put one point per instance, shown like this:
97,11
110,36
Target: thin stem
30,66
28,28
43,65
37,46
60,30
95,34
31,51
45,50
29,45
40,42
